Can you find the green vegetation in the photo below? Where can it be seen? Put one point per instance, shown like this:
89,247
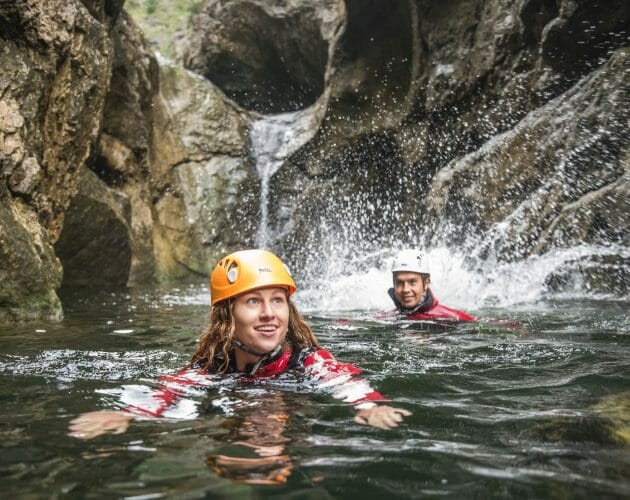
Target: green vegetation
160,20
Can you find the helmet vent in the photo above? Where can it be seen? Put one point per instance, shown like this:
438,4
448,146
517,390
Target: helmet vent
232,274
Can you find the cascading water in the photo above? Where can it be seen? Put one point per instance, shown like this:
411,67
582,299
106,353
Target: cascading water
272,139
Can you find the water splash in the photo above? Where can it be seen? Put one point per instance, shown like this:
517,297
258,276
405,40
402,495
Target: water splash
272,139
346,281
458,279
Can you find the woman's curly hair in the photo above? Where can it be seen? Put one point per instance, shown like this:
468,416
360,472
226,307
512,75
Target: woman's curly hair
215,343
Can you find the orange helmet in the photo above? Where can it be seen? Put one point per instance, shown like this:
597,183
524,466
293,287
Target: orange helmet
248,270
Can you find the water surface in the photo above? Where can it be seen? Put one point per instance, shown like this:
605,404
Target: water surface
539,411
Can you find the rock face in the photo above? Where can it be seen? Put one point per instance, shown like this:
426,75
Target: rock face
494,126
56,63
558,178
168,147
103,157
210,203
96,236
267,56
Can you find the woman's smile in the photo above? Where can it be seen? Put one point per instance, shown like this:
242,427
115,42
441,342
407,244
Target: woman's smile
267,330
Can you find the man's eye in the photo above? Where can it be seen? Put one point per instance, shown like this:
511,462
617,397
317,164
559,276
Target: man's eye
253,300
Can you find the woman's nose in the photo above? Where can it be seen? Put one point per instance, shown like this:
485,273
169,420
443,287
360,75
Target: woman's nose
266,310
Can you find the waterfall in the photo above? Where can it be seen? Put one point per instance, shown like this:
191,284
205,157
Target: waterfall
273,139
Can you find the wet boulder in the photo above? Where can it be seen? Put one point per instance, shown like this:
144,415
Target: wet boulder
600,275
210,202
30,272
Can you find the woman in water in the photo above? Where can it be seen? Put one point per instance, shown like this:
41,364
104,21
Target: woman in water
257,332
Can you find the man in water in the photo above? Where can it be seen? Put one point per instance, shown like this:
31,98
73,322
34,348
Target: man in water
411,292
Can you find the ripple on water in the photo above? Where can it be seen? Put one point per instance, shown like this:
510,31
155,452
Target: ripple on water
559,475
428,355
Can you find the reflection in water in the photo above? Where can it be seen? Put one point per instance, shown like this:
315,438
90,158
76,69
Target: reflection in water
267,470
260,433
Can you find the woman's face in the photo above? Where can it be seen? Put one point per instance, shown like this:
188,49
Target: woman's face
262,319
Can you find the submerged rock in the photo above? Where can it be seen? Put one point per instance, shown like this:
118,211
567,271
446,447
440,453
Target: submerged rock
607,422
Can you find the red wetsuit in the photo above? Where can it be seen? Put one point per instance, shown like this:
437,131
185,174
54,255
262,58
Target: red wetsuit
439,311
339,379
428,309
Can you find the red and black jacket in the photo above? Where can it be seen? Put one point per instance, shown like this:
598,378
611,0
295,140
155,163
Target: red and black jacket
428,309
339,379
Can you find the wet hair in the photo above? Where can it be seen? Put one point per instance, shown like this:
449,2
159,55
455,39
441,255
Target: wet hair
215,343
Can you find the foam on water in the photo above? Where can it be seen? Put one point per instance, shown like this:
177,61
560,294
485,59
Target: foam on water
71,364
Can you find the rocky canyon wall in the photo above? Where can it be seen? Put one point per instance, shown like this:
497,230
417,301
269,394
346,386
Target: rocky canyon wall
431,123
56,65
444,121
95,139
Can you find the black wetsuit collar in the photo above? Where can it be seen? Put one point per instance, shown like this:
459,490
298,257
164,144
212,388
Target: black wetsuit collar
251,368
426,302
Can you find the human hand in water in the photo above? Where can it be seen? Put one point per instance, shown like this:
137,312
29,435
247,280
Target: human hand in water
383,417
92,424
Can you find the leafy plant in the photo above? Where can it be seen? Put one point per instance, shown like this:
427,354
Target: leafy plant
151,6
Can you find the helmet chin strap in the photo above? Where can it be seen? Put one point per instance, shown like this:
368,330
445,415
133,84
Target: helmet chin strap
263,356
246,349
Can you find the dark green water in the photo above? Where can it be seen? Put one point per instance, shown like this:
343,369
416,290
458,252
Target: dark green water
536,412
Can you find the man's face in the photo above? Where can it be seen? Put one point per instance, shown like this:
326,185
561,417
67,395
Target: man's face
408,288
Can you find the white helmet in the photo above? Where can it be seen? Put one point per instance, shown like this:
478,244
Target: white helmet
411,261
